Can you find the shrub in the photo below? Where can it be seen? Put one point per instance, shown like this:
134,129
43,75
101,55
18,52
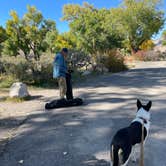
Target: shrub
149,56
30,72
162,56
147,45
164,43
114,61
78,60
139,55
6,81
15,67
42,71
1,67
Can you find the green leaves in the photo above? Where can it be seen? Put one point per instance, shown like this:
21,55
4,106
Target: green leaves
33,17
51,39
92,28
27,34
72,12
164,38
139,20
3,37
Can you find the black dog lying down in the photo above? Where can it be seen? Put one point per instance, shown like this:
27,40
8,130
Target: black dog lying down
63,103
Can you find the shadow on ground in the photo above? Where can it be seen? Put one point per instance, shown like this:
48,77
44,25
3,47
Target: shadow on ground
139,78
80,136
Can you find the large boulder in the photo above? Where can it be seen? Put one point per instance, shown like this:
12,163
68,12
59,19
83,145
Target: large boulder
18,89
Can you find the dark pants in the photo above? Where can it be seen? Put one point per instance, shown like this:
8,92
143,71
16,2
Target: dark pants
69,92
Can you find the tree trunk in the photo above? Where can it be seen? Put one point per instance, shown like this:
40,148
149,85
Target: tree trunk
133,51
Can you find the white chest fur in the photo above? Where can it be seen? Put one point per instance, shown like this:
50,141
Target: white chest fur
143,114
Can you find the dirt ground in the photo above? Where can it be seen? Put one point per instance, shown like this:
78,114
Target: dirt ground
80,136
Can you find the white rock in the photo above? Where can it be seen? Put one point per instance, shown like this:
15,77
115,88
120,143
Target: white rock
18,89
21,162
64,153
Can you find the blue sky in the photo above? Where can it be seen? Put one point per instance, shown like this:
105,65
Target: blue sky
50,8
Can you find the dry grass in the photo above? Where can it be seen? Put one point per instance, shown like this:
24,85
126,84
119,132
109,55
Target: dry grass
15,99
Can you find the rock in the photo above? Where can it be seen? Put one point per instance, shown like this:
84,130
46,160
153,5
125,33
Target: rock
64,153
21,162
85,73
18,89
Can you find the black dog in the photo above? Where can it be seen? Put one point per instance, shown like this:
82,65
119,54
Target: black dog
124,140
63,103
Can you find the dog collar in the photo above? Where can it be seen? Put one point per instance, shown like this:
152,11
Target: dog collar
144,120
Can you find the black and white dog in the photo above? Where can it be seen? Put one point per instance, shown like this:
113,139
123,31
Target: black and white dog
123,142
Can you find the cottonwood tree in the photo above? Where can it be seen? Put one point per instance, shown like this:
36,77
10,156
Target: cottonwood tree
92,28
3,37
138,21
164,37
27,34
57,41
16,37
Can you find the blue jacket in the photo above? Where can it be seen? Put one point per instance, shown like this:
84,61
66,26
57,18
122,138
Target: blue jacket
59,66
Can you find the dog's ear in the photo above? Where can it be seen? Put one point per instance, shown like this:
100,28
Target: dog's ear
148,106
139,105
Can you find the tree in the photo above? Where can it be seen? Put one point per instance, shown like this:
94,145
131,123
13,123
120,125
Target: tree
36,29
92,28
72,12
61,42
164,38
27,34
15,31
147,45
3,37
138,21
50,39
57,41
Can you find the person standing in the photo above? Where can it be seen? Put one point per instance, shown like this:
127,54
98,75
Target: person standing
60,70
